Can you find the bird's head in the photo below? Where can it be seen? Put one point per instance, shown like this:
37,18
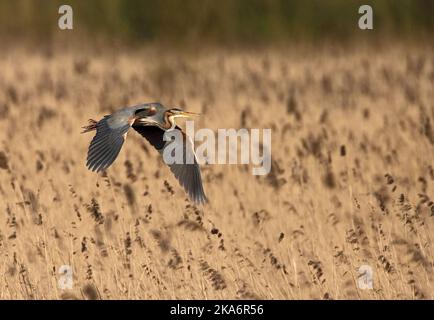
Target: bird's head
157,114
174,113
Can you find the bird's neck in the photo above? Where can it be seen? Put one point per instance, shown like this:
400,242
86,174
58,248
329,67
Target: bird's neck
169,121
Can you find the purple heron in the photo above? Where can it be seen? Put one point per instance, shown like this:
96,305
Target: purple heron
151,120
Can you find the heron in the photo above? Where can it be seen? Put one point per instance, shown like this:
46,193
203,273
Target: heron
151,120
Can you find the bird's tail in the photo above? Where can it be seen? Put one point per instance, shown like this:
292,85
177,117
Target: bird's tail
90,127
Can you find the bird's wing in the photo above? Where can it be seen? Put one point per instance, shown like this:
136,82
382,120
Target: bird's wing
187,174
106,144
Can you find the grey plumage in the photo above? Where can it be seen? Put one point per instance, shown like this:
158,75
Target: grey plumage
106,145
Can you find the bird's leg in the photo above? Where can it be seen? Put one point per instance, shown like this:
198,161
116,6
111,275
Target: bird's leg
92,126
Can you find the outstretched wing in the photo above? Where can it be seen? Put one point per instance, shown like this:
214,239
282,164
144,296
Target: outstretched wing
187,174
106,144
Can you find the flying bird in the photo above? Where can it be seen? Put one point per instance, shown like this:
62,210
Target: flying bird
151,120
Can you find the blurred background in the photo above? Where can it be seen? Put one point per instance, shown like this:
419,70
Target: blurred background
352,176
226,22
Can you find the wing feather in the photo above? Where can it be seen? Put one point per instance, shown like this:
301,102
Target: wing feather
188,175
105,145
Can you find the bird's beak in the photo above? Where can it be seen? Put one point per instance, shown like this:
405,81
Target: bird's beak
186,114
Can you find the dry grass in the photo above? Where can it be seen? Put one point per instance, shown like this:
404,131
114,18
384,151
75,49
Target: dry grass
352,181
